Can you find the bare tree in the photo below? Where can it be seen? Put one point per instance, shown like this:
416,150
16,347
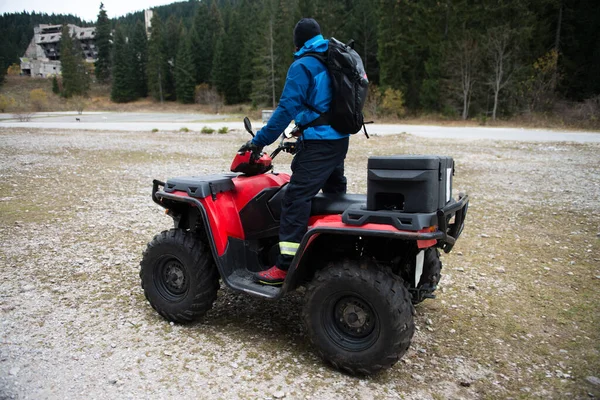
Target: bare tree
500,57
464,62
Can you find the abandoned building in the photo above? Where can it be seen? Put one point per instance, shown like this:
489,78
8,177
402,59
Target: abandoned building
42,57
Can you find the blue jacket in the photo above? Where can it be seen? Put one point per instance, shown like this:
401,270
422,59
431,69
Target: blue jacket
307,82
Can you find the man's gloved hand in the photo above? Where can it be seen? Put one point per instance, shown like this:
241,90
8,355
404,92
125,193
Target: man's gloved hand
290,147
250,146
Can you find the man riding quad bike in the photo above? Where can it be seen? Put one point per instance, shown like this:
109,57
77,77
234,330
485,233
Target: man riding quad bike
364,259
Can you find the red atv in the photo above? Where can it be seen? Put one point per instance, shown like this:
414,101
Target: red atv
365,259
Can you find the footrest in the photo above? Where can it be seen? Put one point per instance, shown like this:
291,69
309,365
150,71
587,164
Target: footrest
244,280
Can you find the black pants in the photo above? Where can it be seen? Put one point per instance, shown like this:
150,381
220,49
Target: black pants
319,164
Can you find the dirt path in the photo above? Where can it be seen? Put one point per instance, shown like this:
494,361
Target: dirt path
517,314
147,122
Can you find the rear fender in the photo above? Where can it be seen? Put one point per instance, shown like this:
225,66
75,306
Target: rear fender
305,262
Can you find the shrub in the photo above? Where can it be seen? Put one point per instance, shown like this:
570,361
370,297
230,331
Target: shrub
6,103
55,86
154,130
184,129
449,112
14,69
205,94
393,102
38,99
22,112
79,103
373,103
224,130
206,129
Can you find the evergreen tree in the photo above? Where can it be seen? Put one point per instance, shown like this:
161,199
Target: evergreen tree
2,70
209,33
184,71
202,54
103,62
122,86
362,28
401,52
74,74
265,79
171,37
226,76
249,40
157,60
55,87
283,35
306,9
332,15
139,60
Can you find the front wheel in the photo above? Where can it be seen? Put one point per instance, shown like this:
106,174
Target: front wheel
359,317
178,276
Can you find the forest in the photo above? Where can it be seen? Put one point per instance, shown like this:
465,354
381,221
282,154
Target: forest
457,58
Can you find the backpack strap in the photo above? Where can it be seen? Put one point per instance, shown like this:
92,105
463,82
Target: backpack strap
323,118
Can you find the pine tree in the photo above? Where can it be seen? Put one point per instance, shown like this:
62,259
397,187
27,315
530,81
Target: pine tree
55,87
139,60
103,35
283,33
265,79
202,54
157,61
226,76
306,9
362,28
249,40
74,74
122,88
211,35
2,69
171,37
184,71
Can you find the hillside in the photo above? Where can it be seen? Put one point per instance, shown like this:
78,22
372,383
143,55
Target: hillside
458,59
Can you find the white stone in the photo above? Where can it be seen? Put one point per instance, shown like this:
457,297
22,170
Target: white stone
593,380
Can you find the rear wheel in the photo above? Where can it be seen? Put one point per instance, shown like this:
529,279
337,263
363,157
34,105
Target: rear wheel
359,317
178,276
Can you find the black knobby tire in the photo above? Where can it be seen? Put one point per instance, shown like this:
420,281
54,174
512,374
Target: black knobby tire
432,273
359,317
178,276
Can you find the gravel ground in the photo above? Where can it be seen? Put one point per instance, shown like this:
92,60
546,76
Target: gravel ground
516,316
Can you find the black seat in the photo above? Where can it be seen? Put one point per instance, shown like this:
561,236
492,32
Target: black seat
325,204
322,204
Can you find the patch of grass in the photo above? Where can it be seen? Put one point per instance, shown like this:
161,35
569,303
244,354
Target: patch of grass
224,129
184,129
207,130
154,130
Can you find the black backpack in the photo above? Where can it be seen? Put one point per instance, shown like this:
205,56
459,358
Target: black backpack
349,85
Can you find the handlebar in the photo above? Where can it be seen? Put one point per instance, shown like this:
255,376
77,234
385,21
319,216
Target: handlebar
288,147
